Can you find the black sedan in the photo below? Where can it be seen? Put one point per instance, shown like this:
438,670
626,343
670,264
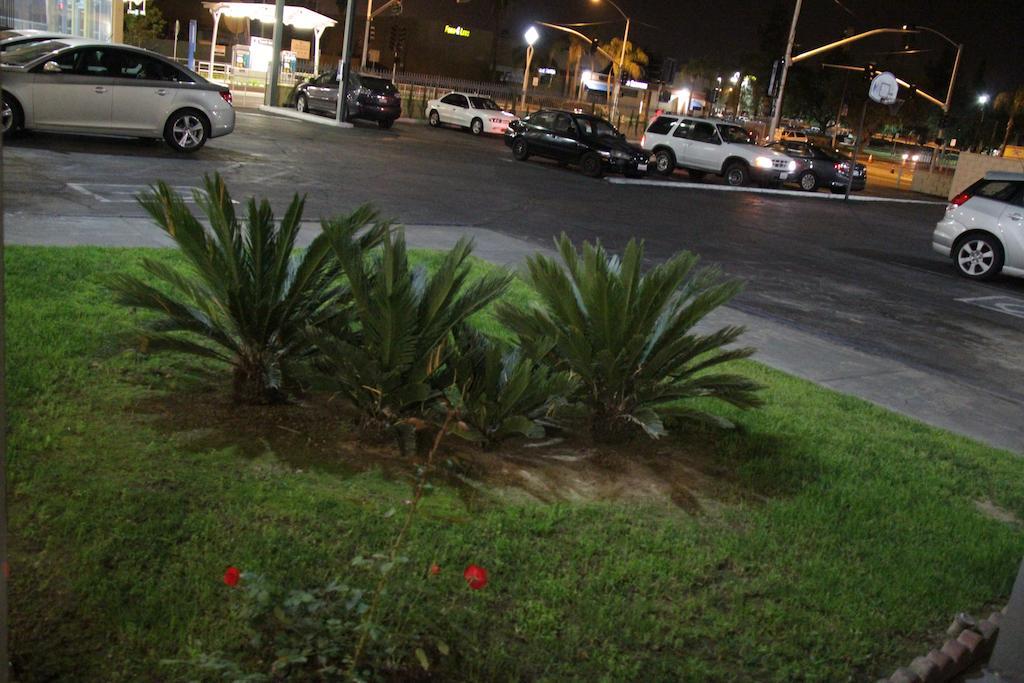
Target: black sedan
369,97
818,167
587,141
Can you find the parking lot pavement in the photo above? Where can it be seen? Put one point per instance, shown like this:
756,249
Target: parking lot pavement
860,276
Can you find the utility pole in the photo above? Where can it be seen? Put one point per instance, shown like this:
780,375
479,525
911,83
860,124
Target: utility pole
777,114
275,59
345,66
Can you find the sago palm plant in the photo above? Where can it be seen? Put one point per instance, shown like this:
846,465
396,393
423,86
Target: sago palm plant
628,336
387,353
503,392
247,294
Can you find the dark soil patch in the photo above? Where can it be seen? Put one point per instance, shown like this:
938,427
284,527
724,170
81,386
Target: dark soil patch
318,432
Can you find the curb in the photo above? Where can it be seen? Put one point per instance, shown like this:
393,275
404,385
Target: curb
761,190
298,116
970,641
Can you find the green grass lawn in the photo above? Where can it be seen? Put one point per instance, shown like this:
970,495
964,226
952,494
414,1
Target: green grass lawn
827,540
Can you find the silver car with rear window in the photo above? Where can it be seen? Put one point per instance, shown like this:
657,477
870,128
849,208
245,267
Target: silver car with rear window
983,229
75,85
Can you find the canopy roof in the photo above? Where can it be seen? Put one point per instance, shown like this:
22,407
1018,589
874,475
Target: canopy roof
297,17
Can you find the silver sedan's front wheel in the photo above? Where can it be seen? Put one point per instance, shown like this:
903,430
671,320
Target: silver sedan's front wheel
186,131
978,257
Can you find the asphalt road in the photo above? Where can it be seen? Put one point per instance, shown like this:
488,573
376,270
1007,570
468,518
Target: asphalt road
860,274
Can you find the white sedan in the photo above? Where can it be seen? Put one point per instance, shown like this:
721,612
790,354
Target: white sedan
75,85
478,113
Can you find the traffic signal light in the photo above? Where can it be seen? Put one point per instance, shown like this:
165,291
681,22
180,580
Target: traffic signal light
373,32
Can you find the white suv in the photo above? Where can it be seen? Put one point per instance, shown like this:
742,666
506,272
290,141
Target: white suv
703,146
983,229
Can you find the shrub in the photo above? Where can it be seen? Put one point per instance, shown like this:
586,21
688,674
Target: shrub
503,391
248,294
628,336
387,353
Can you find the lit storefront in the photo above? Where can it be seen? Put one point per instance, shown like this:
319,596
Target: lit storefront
88,18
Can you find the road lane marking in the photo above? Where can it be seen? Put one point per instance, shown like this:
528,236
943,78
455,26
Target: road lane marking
119,193
998,303
761,190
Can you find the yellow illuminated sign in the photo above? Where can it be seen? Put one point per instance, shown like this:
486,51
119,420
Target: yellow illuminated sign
456,31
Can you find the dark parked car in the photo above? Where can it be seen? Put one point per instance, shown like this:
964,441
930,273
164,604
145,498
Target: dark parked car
588,141
369,97
818,167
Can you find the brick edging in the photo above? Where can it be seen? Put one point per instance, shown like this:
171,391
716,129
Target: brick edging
970,640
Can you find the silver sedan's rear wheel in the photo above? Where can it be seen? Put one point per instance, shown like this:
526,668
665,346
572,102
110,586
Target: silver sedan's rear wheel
978,257
186,131
301,104
476,127
10,116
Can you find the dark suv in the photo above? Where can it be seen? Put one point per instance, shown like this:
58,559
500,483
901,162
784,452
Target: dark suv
588,141
369,97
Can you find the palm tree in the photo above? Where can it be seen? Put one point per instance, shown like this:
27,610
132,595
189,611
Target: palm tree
572,67
1010,103
633,64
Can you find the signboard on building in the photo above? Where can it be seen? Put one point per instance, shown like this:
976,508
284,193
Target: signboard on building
301,48
135,8
456,31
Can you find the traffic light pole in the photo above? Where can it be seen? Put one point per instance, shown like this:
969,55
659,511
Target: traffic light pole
777,113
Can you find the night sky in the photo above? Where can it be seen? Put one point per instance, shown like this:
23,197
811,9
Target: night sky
992,31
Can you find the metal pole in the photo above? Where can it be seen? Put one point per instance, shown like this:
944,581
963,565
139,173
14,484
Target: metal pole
177,28
366,31
213,40
856,148
777,114
622,65
526,76
949,102
275,59
839,114
340,113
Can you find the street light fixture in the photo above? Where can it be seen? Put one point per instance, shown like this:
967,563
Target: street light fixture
531,37
622,54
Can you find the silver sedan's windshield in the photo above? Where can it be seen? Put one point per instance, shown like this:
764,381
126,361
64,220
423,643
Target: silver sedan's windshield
26,54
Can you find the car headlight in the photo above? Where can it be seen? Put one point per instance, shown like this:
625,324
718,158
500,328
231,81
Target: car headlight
763,162
792,166
618,154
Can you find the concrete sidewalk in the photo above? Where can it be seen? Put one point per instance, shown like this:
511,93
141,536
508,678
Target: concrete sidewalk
935,399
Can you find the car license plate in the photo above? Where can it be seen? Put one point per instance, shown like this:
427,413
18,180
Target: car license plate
641,167
783,176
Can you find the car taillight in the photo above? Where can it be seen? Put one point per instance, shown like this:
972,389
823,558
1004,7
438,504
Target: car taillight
226,96
960,198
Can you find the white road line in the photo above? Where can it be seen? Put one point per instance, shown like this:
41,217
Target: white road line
998,303
760,190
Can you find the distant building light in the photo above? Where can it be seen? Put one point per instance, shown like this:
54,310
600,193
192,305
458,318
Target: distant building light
638,85
546,71
456,31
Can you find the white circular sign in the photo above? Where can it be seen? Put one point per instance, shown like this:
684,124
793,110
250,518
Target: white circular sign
884,88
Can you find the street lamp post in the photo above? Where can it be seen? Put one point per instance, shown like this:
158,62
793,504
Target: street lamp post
982,101
531,37
622,58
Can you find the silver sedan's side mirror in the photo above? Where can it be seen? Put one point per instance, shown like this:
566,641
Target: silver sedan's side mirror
51,68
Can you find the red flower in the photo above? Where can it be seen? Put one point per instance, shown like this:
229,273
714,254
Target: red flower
475,576
435,569
232,576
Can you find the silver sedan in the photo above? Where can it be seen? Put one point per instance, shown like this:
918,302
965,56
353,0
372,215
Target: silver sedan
75,85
